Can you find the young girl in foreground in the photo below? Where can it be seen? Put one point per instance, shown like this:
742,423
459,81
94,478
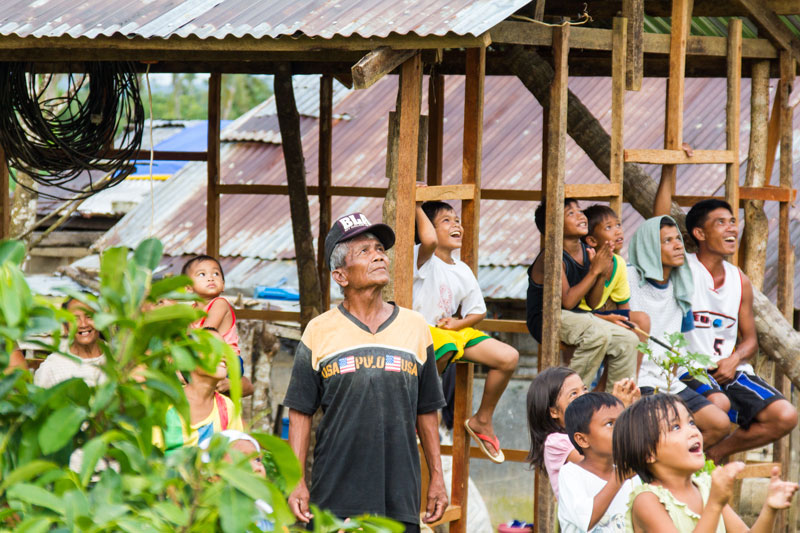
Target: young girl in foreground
657,439
549,395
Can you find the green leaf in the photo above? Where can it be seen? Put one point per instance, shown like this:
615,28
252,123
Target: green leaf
60,427
184,314
92,452
247,482
283,456
148,253
36,524
178,516
35,495
10,301
13,251
26,472
168,285
112,268
235,510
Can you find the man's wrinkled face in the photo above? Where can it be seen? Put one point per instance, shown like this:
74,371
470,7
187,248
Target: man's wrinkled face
366,264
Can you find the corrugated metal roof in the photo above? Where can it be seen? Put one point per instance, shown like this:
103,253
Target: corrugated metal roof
219,19
260,123
259,228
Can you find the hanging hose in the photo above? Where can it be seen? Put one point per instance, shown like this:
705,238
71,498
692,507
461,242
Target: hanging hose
56,139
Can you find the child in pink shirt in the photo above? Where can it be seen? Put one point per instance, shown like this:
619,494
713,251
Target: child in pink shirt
549,395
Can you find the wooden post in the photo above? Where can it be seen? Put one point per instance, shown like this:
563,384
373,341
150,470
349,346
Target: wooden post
292,145
549,353
756,228
782,448
673,124
213,165
410,89
324,160
633,12
470,215
618,53
732,112
435,127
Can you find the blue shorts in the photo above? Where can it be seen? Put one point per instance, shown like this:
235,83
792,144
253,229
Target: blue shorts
749,395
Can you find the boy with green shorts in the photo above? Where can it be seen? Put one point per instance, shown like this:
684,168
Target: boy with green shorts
447,294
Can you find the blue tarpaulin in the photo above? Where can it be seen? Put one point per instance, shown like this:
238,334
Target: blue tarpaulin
190,139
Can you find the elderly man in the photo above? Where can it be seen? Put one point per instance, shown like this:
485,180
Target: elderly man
370,365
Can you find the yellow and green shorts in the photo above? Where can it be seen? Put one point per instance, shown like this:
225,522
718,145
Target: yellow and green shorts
447,341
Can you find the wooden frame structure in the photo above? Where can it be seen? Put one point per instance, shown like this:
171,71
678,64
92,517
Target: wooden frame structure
633,55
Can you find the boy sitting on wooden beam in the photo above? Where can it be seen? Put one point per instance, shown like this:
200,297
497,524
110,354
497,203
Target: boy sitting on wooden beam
443,285
582,277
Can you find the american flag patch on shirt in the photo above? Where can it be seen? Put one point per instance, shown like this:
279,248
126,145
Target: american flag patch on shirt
393,363
347,364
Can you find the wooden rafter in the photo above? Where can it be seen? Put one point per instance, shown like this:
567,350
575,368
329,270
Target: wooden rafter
766,19
376,64
633,11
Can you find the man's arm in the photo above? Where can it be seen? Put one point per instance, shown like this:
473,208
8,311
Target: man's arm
299,434
663,201
428,431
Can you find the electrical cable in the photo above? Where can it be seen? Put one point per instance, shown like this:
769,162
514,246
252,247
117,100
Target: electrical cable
56,139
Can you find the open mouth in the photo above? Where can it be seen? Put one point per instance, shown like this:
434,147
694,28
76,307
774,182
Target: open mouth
696,448
84,333
456,234
730,239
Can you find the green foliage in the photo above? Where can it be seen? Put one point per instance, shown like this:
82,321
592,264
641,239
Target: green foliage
673,359
75,458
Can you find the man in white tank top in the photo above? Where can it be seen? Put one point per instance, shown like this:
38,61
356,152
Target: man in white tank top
722,306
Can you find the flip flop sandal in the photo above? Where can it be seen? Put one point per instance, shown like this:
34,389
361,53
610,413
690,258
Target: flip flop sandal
480,438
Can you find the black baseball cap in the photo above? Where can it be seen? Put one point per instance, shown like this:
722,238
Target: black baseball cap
354,224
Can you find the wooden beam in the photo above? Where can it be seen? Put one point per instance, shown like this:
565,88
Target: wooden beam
538,11
472,152
633,12
506,326
294,162
662,8
376,64
768,193
213,165
753,248
549,350
673,122
407,151
446,192
472,149
268,315
124,45
435,127
753,470
5,200
163,155
786,262
516,456
766,19
526,33
732,115
773,135
679,157
619,80
324,170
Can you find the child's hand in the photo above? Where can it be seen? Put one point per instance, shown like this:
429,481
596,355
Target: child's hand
602,258
449,322
626,391
420,185
722,479
224,385
779,492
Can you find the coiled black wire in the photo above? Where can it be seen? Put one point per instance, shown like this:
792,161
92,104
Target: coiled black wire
56,139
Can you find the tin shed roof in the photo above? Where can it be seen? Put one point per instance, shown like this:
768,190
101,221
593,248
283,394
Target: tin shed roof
220,19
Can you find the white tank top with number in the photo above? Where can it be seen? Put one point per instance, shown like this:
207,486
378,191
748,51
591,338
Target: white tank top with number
716,311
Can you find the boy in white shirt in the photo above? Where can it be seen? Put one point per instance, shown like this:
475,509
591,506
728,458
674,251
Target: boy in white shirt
591,498
447,294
